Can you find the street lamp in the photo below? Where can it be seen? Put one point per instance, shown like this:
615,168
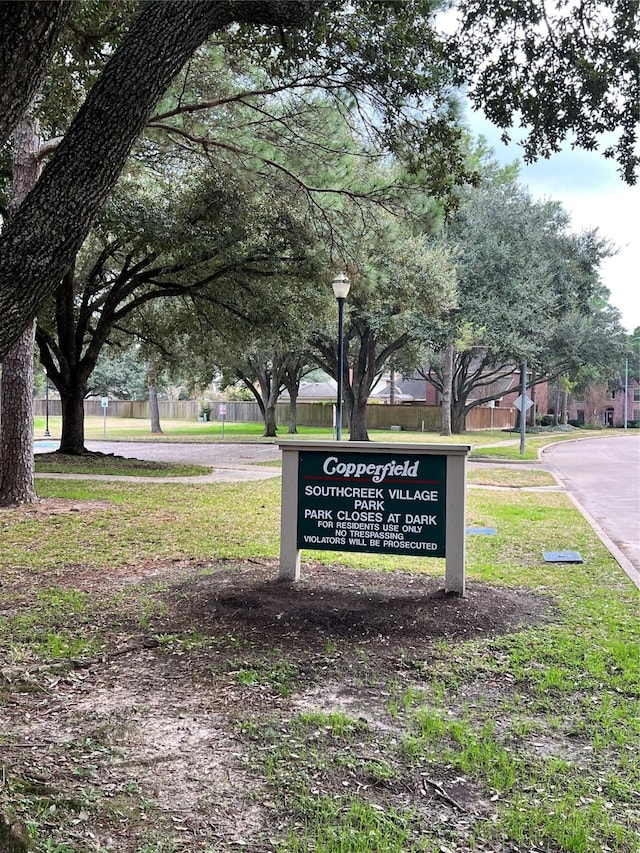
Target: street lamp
341,285
47,434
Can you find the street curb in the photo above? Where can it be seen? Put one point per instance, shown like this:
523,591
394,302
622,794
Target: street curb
624,562
621,559
496,460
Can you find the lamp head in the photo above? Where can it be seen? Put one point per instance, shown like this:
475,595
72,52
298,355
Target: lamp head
341,285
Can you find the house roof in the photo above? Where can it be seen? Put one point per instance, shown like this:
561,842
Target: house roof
315,391
399,395
498,388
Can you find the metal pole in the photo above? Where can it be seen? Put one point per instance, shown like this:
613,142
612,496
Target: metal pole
340,368
626,390
47,434
523,408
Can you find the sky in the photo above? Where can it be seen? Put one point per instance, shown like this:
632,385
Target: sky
595,196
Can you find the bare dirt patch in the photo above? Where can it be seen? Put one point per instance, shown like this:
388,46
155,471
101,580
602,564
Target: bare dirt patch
162,735
43,509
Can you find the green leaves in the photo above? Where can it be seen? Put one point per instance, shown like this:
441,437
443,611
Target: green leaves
564,71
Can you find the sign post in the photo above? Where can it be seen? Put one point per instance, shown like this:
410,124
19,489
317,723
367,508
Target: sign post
222,411
105,406
377,498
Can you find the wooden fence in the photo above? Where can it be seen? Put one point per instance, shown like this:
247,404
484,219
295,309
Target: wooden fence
414,418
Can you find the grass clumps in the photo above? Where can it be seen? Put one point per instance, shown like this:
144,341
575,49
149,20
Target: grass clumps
174,694
107,464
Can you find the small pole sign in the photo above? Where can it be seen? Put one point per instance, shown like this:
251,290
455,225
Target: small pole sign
375,498
105,406
523,403
222,411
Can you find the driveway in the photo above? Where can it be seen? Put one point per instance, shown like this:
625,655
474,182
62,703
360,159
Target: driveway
603,475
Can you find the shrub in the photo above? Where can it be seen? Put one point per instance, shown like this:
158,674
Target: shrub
545,420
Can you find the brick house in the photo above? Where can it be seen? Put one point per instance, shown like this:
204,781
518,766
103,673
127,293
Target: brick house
604,406
505,390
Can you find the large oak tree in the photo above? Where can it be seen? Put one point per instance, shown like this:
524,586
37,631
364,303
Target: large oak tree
526,289
402,284
38,246
213,240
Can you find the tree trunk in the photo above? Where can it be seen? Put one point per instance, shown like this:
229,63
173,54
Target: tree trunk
360,372
16,430
40,243
154,411
14,836
16,409
447,386
293,412
270,427
72,400
267,396
358,420
28,36
458,415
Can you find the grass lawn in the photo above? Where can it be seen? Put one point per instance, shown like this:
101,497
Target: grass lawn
162,691
506,444
116,466
533,445
509,477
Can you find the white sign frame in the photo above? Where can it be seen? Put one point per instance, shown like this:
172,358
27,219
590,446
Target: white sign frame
455,500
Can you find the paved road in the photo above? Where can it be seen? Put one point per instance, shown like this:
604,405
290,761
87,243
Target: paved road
230,462
604,476
221,455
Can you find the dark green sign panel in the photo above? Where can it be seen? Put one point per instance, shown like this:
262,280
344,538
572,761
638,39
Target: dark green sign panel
386,503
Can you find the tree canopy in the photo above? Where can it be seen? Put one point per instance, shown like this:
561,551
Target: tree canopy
40,243
386,59
563,71
528,288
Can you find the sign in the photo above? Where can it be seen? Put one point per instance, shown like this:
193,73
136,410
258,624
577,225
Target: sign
222,410
383,498
518,403
105,402
392,503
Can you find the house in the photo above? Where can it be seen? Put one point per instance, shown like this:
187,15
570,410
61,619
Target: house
385,394
504,390
606,406
314,392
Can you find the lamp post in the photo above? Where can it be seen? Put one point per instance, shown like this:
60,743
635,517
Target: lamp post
47,434
341,285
